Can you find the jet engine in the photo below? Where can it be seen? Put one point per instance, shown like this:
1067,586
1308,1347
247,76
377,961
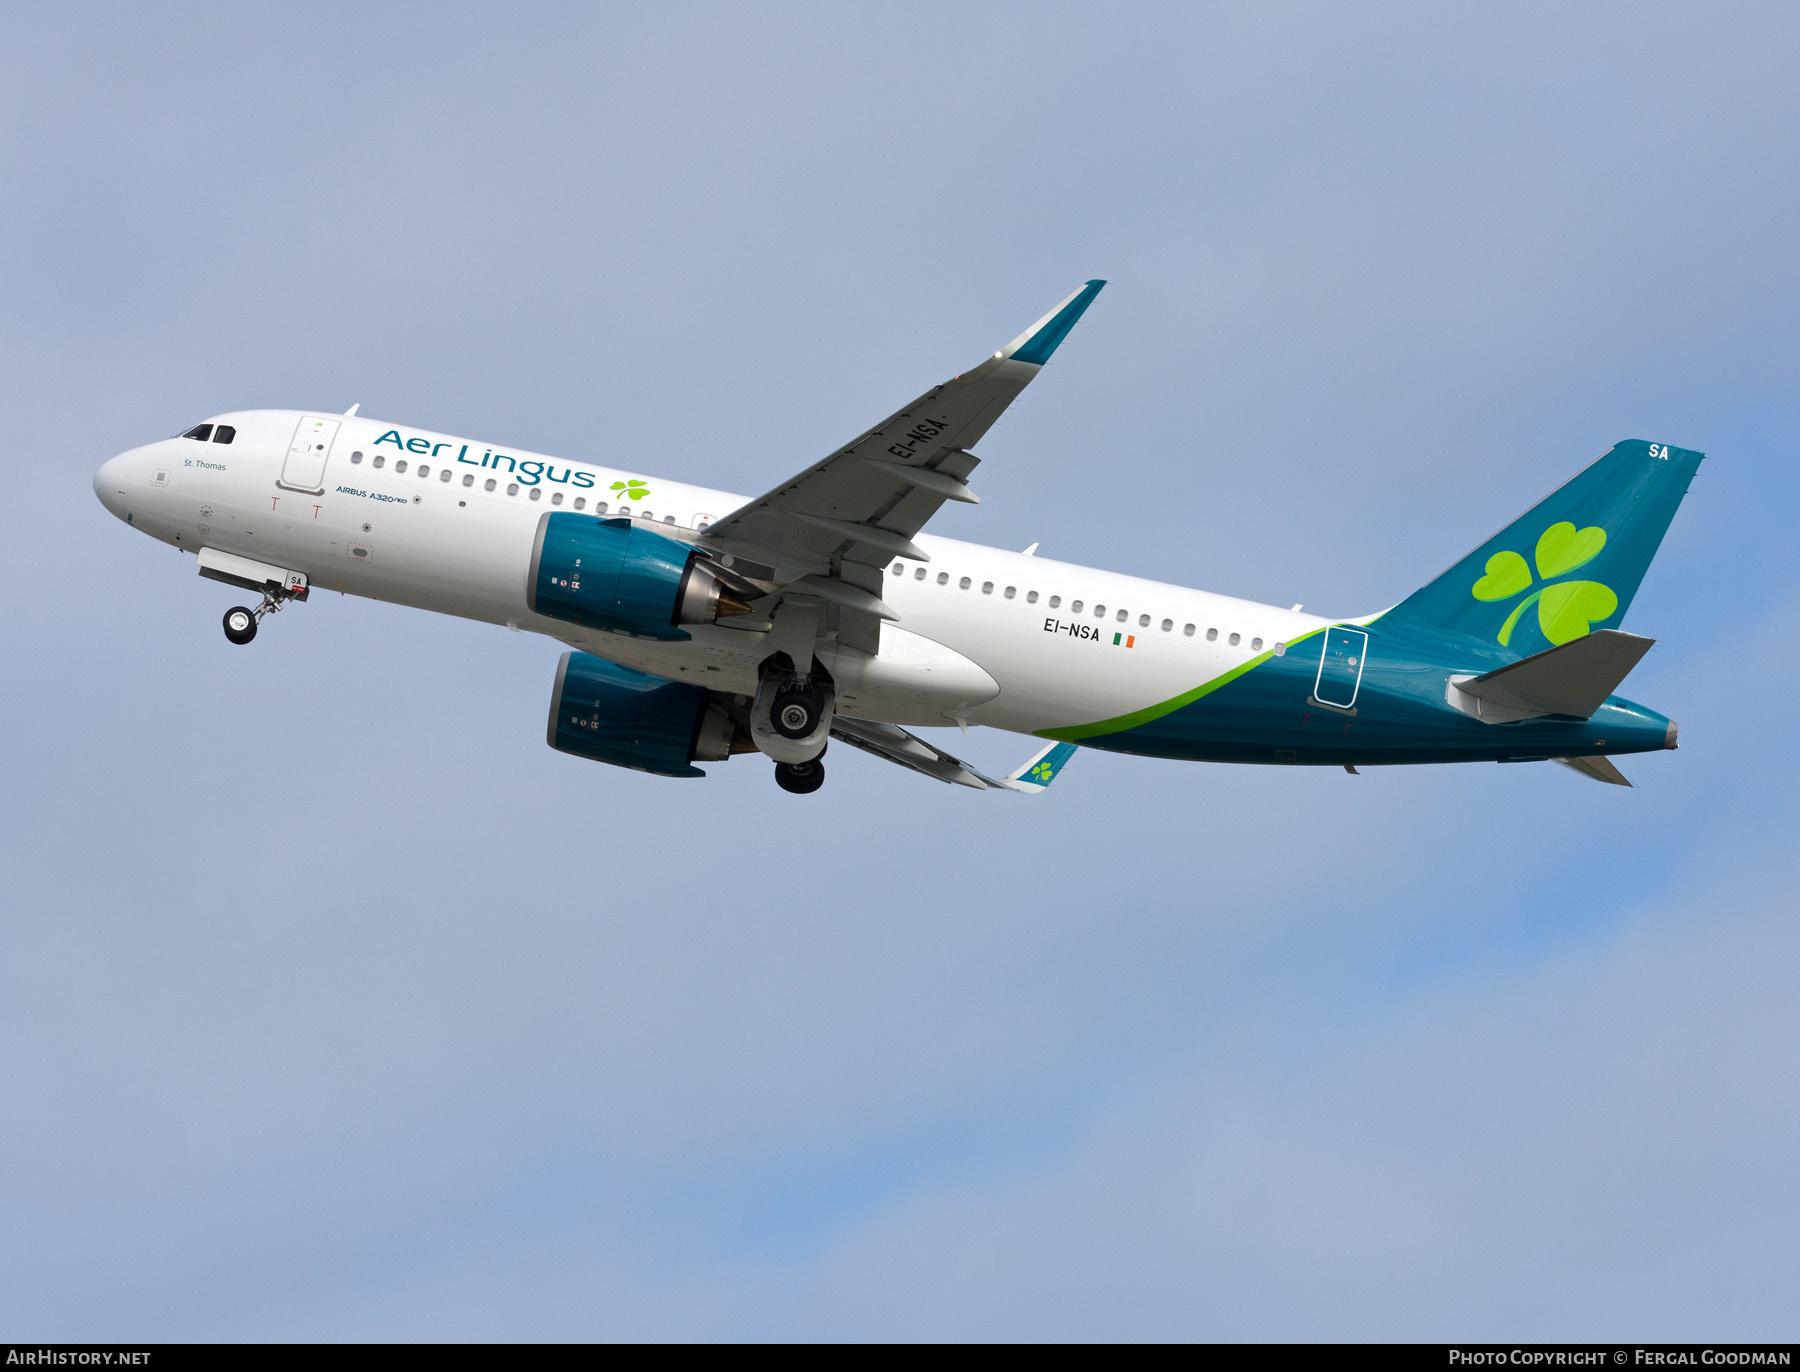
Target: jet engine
609,574
608,713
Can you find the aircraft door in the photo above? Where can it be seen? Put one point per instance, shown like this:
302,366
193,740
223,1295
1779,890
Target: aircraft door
304,469
1341,663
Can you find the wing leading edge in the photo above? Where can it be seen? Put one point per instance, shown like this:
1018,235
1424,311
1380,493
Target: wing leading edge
845,518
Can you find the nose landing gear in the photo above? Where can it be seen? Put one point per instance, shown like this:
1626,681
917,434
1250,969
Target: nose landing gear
241,622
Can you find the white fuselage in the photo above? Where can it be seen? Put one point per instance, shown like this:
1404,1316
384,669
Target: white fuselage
984,636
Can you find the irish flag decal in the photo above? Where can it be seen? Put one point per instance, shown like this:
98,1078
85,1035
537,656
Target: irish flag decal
1125,640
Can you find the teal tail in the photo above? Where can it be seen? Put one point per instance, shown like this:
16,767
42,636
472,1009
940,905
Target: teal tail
1571,564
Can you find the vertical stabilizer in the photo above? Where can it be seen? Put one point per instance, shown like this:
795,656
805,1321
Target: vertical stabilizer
1570,565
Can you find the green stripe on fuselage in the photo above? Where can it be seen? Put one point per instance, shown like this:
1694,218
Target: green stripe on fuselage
1075,733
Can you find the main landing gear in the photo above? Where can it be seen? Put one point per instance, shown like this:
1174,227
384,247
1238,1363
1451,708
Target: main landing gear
800,778
241,622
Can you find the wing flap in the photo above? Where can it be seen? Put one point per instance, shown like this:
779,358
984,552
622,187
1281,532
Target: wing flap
894,744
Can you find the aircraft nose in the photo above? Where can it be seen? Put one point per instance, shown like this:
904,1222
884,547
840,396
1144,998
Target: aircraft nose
109,484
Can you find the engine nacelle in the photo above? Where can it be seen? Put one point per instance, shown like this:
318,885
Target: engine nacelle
609,574
609,713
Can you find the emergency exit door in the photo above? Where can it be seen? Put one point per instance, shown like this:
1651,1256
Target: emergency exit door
1341,663
304,469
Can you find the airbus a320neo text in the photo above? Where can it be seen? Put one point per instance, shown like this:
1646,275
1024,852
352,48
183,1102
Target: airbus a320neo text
701,625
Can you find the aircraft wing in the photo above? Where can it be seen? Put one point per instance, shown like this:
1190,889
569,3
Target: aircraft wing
894,744
841,521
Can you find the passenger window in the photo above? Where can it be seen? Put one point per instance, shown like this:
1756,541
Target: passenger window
1099,612
355,458
1011,591
487,485
512,488
445,475
380,460
1234,640
1169,624
1143,621
1212,635
987,588
1187,630
537,492
647,515
899,569
1031,597
625,510
919,575
224,434
424,472
1256,645
1123,615
556,497
1055,602
581,502
963,584
1074,606
199,431
599,507
400,466
943,578
668,519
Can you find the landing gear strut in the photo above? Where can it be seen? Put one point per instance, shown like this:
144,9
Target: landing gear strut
800,778
241,622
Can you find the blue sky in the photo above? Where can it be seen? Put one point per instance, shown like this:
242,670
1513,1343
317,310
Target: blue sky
333,1005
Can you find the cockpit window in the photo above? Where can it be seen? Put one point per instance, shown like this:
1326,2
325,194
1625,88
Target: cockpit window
224,434
199,431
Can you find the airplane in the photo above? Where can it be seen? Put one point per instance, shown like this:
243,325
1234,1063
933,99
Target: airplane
701,625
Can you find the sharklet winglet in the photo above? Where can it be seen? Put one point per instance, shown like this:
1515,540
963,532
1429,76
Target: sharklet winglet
1044,337
1040,769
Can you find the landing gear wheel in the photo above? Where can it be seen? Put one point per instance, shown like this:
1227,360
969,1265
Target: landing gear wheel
795,711
240,624
800,778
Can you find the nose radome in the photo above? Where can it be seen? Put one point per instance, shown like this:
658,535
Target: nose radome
109,484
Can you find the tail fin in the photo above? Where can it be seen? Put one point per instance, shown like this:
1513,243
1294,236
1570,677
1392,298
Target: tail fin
1571,564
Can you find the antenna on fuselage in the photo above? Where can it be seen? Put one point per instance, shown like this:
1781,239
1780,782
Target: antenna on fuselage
353,409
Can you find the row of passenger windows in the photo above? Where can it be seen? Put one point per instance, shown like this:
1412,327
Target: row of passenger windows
1077,606
899,569
444,474
218,433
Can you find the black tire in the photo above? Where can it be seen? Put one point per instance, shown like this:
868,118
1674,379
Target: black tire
240,624
795,711
800,778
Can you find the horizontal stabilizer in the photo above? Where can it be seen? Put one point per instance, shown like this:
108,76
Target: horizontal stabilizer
1599,768
1574,678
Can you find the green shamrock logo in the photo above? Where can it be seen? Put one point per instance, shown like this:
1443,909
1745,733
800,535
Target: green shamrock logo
631,490
1566,610
1042,772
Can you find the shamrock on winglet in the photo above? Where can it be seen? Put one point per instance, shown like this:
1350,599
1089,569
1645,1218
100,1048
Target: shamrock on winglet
1567,609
